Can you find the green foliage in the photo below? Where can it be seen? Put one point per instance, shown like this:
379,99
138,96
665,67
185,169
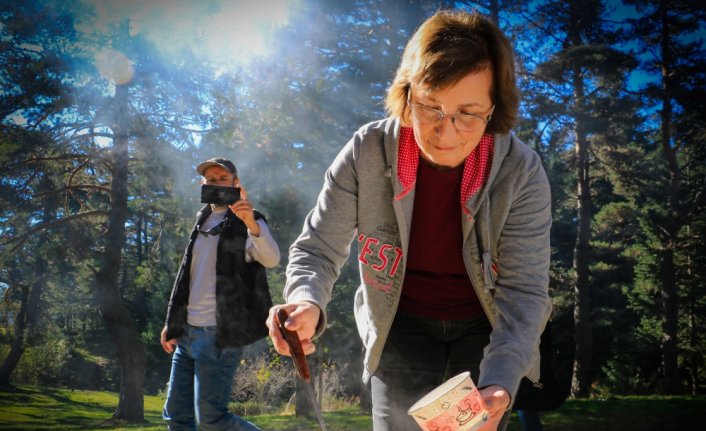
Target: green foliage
249,408
43,364
266,380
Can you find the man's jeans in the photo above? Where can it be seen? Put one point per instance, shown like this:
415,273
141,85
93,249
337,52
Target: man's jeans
200,384
419,355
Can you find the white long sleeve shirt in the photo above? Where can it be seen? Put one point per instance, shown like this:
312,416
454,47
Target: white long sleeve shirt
201,310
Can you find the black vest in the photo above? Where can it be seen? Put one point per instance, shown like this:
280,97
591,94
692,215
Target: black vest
242,294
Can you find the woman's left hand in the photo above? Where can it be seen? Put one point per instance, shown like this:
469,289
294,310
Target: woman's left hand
496,399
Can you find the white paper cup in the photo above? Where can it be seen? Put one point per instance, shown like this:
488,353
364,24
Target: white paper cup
456,405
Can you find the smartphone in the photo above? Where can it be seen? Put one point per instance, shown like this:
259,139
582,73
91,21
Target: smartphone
219,195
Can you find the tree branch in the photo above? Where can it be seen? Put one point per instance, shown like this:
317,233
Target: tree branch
25,236
75,187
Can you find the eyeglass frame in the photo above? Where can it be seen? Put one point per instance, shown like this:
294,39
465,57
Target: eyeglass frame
442,114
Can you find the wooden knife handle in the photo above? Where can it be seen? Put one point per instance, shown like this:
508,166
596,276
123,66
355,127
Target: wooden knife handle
295,345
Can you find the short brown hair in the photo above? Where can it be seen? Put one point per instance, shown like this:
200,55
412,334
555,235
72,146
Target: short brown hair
445,48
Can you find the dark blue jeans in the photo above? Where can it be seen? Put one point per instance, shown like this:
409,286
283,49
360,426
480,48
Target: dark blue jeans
200,384
419,355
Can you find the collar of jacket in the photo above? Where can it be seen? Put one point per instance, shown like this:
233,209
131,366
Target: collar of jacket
204,212
475,171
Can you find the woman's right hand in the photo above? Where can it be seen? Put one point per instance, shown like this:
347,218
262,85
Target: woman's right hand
303,319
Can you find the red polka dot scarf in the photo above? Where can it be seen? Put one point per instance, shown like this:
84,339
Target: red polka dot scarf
475,171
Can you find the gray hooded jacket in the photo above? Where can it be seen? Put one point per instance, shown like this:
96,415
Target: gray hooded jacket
505,247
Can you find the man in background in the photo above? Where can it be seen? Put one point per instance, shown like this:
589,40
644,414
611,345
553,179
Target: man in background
219,304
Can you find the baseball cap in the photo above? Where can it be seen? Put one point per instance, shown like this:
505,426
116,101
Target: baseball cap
217,161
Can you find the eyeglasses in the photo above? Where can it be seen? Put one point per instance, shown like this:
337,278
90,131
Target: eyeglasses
215,230
463,121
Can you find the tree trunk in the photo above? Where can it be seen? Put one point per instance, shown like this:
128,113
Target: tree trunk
303,406
123,333
581,380
24,321
694,357
671,382
31,298
581,383
670,309
302,402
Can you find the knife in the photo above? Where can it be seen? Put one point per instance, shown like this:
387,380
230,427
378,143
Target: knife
299,359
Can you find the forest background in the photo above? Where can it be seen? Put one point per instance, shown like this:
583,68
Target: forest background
106,107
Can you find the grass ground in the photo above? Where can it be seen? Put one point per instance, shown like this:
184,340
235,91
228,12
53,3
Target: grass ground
35,408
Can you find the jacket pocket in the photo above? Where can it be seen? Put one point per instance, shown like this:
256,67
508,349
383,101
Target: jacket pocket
362,318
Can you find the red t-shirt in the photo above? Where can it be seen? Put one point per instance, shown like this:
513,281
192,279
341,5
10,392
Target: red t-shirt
436,283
